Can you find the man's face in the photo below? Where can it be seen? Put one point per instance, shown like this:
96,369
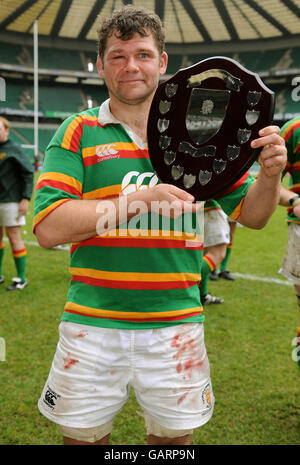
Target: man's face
3,132
132,68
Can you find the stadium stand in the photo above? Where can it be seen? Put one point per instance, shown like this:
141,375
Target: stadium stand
68,85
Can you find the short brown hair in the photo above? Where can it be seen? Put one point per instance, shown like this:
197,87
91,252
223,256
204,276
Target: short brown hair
5,122
130,20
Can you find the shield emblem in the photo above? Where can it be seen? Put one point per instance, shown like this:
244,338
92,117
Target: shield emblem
164,106
162,125
201,124
206,112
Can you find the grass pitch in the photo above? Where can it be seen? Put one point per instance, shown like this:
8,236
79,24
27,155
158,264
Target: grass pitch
248,338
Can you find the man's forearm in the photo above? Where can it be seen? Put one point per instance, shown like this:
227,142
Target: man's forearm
71,222
260,202
285,196
79,220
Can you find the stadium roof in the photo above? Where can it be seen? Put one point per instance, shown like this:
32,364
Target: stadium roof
188,22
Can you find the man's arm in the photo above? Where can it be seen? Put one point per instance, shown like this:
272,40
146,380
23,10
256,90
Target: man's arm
263,195
285,197
78,220
26,171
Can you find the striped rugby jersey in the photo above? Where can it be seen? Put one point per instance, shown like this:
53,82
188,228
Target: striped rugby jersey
290,131
144,273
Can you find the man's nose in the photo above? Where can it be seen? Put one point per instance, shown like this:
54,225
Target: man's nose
131,64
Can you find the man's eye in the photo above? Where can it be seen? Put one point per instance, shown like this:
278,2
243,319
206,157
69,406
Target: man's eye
144,55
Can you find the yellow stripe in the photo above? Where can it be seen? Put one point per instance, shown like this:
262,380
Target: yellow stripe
154,234
69,132
103,192
294,165
19,255
294,186
132,276
41,215
54,176
72,127
297,148
117,146
289,127
237,211
128,315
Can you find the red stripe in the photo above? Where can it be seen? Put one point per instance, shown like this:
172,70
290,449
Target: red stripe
296,190
19,251
210,262
133,284
133,154
138,242
236,185
77,133
91,122
128,154
181,317
297,148
59,185
294,168
38,222
93,160
292,129
75,138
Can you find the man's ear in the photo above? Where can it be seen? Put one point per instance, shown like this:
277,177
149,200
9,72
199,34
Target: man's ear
163,63
100,67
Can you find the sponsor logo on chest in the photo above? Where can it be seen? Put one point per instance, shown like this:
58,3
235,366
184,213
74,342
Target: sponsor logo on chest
106,152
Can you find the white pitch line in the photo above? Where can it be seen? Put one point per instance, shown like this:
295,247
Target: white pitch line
58,247
237,275
260,278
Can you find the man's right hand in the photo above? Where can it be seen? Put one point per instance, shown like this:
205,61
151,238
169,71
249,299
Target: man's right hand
171,201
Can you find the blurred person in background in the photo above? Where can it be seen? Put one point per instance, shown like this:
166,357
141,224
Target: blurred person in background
16,185
290,198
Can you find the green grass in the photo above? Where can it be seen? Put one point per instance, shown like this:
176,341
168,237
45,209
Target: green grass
248,339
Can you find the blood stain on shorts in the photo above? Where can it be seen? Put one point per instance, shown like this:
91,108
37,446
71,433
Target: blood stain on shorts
181,399
69,361
187,355
82,333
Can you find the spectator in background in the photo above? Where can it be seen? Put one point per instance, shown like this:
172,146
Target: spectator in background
216,239
16,185
224,272
290,198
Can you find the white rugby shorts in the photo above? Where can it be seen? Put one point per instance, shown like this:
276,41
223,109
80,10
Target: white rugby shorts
216,228
94,368
9,214
290,267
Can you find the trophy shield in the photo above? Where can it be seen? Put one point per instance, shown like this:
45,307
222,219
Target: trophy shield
201,124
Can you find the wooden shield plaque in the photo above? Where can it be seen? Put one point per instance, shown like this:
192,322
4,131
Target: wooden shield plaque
201,123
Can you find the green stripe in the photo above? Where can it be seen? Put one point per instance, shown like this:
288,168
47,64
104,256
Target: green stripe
133,300
118,324
143,260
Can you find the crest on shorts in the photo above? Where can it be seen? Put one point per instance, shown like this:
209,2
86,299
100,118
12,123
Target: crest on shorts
206,396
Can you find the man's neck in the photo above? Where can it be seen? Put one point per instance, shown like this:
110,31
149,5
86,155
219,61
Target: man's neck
134,116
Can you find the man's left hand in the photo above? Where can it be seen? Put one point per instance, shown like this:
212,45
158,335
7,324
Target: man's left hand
23,207
272,158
